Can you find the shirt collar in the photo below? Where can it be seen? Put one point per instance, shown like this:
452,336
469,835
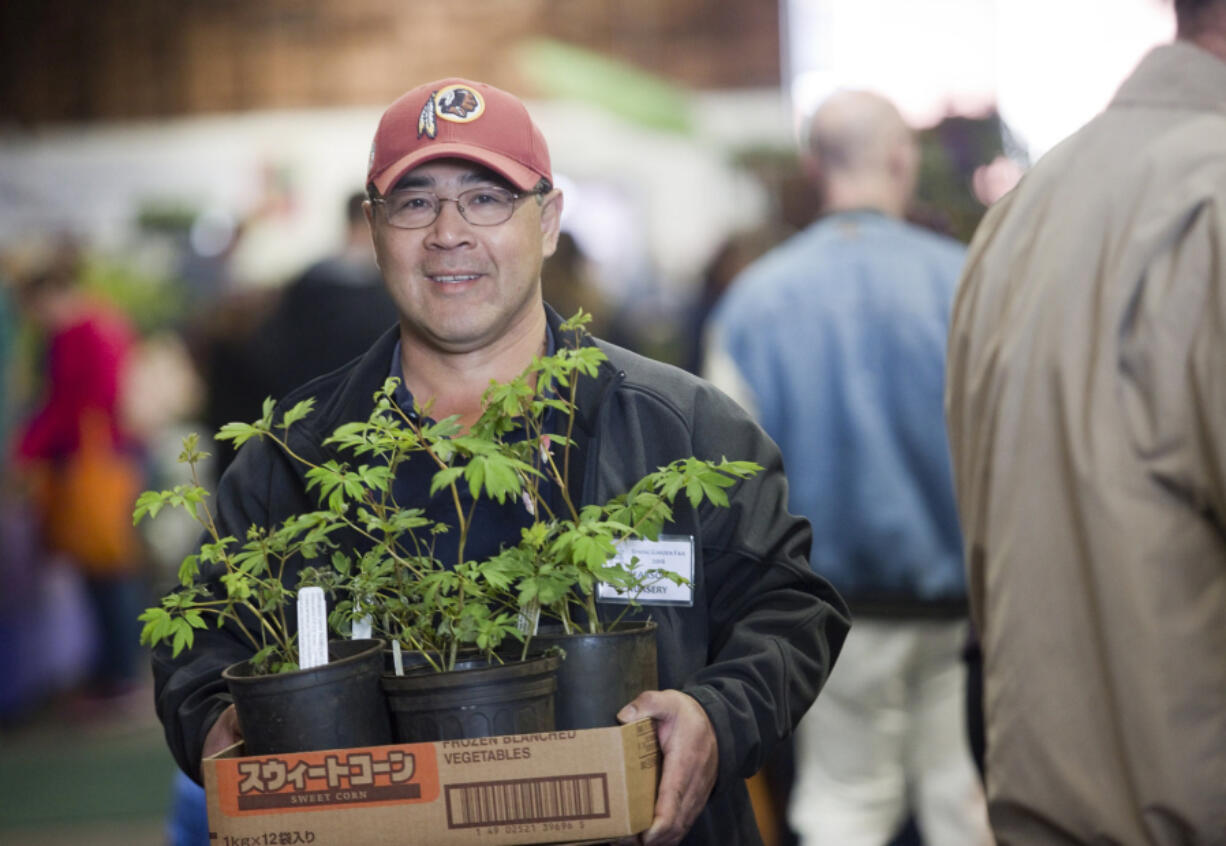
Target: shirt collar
1178,74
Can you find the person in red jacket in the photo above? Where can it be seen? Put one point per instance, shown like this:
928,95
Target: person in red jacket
87,348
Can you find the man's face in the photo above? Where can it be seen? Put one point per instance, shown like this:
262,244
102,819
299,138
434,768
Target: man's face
460,287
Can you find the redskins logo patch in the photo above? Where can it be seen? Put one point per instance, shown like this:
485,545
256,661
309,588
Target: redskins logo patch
456,103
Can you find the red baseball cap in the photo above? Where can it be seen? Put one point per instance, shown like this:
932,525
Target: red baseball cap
456,118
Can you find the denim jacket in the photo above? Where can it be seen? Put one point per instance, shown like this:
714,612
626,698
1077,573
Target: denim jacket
839,336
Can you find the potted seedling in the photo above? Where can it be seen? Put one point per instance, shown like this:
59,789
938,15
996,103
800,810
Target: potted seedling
281,708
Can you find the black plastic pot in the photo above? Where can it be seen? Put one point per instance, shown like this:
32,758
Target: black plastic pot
601,672
476,699
331,707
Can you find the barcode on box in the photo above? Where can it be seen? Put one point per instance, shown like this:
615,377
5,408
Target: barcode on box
578,797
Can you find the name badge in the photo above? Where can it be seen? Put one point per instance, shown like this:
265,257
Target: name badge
670,554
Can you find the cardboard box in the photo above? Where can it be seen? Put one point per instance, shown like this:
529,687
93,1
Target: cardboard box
540,788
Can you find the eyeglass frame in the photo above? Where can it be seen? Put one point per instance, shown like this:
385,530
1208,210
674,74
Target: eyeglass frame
542,188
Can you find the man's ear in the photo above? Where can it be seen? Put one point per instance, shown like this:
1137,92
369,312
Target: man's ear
551,222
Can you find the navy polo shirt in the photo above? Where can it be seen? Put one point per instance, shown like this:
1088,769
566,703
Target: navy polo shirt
493,525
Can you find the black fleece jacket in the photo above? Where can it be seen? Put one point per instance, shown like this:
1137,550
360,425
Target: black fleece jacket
754,649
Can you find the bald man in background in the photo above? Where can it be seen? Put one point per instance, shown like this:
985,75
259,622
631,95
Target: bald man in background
835,340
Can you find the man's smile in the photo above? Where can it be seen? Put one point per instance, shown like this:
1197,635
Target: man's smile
452,278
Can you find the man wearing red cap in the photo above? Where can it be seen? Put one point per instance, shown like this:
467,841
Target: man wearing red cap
463,213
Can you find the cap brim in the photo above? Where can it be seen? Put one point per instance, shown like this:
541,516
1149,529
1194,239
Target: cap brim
523,178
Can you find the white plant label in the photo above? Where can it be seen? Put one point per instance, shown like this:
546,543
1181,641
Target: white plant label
529,617
312,628
672,554
397,660
361,628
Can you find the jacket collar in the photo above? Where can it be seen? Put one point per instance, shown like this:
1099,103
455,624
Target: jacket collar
1178,74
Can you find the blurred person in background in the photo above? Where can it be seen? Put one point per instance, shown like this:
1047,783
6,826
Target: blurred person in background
82,468
327,316
836,341
566,284
324,318
1087,419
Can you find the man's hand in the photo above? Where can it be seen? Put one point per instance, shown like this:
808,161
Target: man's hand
225,732
691,760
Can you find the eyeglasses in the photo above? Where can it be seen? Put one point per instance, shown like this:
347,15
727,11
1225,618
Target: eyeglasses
488,206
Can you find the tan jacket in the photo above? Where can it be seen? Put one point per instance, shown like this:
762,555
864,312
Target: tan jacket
1086,403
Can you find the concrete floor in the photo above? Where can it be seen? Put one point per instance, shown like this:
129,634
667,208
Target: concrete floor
70,775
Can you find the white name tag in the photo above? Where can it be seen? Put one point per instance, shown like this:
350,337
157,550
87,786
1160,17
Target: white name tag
671,554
